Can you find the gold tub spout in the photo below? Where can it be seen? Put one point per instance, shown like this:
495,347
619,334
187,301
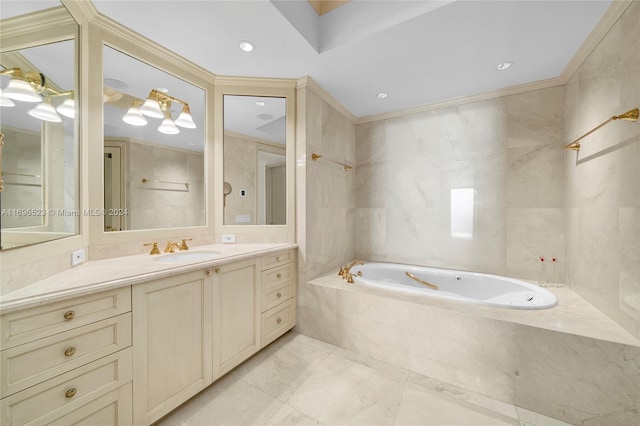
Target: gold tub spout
413,277
345,271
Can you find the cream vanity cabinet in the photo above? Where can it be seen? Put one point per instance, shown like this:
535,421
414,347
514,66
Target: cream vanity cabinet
68,362
172,342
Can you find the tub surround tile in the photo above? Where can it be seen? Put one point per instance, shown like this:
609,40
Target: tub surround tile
423,406
577,379
316,312
530,418
344,392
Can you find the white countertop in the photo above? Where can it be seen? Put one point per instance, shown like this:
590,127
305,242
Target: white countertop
572,314
105,274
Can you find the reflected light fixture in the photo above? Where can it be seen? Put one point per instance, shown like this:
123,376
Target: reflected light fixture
382,95
67,108
5,102
158,105
504,66
168,127
134,116
45,111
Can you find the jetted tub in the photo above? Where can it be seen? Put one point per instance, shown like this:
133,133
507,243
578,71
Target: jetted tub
472,287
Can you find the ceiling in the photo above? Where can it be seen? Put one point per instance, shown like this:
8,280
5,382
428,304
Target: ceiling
419,52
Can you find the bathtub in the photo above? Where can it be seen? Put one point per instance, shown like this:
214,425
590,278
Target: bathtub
472,287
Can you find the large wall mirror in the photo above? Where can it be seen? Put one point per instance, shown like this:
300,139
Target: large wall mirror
255,191
154,143
38,118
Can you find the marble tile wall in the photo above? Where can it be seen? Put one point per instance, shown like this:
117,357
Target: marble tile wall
508,149
602,198
171,205
325,199
240,171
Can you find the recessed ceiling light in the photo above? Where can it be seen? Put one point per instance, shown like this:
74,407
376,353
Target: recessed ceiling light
382,95
261,103
503,66
247,46
115,83
264,116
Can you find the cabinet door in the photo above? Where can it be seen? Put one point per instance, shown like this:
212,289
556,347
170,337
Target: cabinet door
236,307
172,343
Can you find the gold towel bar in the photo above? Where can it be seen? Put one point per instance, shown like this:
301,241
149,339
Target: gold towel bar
145,180
631,115
316,157
413,277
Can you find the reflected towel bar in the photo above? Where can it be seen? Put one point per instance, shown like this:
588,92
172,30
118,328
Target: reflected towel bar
145,180
316,157
631,115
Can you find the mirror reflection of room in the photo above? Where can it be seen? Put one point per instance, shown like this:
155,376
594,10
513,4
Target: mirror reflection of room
254,160
153,147
39,155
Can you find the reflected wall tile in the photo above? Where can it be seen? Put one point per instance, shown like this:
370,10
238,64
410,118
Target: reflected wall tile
535,177
535,117
371,143
572,244
629,276
577,379
532,233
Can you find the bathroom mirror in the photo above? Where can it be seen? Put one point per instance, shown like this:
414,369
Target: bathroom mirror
154,139
38,118
255,160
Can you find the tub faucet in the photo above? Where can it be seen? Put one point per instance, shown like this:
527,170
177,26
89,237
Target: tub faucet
171,247
346,274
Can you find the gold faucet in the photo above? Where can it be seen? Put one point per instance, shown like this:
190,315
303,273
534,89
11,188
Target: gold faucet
345,270
171,247
154,249
184,245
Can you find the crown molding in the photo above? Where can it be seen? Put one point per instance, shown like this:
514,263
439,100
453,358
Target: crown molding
521,88
312,85
82,11
287,83
57,21
608,20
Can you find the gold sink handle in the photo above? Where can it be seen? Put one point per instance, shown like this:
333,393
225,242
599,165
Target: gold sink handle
183,245
154,249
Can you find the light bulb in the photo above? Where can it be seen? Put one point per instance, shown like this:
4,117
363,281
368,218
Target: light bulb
151,108
134,117
5,102
168,127
185,119
45,111
21,90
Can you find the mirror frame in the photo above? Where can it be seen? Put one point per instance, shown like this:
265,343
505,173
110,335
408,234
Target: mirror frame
118,37
32,30
244,86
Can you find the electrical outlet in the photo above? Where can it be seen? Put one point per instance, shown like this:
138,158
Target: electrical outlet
228,238
77,257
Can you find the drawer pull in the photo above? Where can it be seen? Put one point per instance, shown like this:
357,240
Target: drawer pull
279,295
217,270
69,315
70,393
279,276
278,259
209,272
70,351
279,320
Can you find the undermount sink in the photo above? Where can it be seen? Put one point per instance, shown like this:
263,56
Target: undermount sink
187,256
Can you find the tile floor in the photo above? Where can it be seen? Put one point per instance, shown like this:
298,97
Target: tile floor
298,380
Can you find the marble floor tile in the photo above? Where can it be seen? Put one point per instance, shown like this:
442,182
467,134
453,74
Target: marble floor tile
529,418
280,369
287,416
229,401
344,392
426,407
449,390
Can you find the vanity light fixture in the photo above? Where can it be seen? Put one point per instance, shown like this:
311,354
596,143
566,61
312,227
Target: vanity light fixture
168,127
247,46
504,66
5,102
67,108
382,95
134,116
23,87
158,105
45,111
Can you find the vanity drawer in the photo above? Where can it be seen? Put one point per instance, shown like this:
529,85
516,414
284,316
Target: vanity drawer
276,277
35,323
32,363
276,259
65,393
277,295
114,408
276,321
